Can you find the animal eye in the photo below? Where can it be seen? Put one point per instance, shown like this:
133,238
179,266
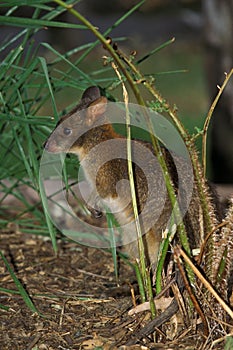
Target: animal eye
67,131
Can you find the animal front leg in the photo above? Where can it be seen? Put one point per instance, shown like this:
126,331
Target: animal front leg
93,205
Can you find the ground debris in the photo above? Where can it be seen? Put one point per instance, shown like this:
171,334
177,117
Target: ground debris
81,304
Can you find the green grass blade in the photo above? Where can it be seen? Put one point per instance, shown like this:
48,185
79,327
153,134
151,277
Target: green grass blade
157,49
46,73
111,224
164,245
51,228
22,2
20,287
13,55
10,291
4,307
73,66
126,15
23,155
36,23
108,31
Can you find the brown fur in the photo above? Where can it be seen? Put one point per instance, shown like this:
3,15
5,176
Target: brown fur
80,132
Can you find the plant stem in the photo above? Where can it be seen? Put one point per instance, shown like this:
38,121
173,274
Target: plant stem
134,86
177,218
142,263
208,118
198,173
107,46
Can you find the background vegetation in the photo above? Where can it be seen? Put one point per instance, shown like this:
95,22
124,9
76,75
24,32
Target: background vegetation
39,83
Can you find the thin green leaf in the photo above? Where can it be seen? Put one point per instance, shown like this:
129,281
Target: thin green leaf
108,31
9,61
52,231
164,245
37,23
23,155
74,67
111,224
20,287
157,49
46,73
22,2
126,15
10,291
4,307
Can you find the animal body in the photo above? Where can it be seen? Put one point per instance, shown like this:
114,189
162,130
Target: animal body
102,152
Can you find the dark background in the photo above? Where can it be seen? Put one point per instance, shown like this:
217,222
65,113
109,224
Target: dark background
203,47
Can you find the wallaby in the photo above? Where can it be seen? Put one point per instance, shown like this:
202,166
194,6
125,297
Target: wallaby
87,132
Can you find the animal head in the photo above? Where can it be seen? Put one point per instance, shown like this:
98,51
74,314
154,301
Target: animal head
68,134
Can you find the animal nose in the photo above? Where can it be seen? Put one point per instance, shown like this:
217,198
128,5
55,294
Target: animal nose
46,145
51,146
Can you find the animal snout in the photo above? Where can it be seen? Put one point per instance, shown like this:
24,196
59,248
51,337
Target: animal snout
51,146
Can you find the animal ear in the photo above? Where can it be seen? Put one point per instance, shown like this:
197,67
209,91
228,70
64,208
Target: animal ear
95,110
91,94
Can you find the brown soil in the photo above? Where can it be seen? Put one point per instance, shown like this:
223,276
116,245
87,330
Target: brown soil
76,293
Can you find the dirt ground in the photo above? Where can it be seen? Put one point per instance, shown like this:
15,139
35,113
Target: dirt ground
81,305
76,292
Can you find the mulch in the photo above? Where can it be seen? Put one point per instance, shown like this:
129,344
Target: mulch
80,304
